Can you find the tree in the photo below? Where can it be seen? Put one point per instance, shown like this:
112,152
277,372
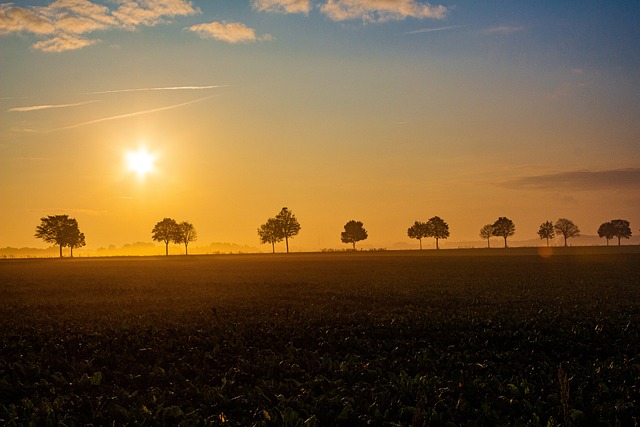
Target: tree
567,228
185,233
437,228
418,230
546,231
504,228
353,232
486,232
60,230
623,230
165,231
271,232
607,230
289,225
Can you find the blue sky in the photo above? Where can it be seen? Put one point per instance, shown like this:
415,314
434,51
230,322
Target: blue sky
376,110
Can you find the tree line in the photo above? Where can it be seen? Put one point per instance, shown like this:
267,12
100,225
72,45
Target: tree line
64,231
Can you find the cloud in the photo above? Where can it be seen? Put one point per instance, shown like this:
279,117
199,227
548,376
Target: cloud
282,6
505,29
65,20
230,32
46,107
146,89
580,180
380,10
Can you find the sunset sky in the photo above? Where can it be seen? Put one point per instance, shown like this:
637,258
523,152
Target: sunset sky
380,111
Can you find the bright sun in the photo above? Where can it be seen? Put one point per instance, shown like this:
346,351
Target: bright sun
140,162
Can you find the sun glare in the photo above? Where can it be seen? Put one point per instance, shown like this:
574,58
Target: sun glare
140,162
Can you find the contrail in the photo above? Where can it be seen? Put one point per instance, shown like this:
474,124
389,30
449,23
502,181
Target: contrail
148,89
430,30
47,107
137,113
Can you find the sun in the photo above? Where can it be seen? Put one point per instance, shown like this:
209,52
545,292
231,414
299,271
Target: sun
140,162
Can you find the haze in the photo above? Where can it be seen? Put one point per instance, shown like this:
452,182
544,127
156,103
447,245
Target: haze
382,112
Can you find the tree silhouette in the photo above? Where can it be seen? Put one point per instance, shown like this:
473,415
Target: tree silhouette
60,230
567,228
289,225
353,232
437,228
418,230
271,232
504,228
546,231
623,230
486,232
165,231
607,230
185,233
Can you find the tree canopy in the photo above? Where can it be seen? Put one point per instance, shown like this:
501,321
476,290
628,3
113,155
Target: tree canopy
438,229
419,230
622,228
353,232
546,231
567,228
185,233
503,227
271,232
165,231
289,225
607,230
60,230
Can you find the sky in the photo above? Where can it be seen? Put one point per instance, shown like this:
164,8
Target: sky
381,111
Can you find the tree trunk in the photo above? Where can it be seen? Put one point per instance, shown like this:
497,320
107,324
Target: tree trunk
60,251
607,241
618,240
71,251
286,240
354,245
273,247
565,241
547,242
420,240
166,248
505,241
488,244
186,250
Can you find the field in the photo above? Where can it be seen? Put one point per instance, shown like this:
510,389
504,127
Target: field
457,337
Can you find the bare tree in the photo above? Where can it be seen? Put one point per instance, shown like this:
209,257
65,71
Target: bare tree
353,232
486,232
567,228
546,231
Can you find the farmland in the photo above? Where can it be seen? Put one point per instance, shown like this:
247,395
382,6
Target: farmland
457,337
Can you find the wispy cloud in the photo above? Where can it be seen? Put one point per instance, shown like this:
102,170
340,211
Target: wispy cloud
149,89
380,10
81,211
133,114
431,30
66,20
505,29
47,107
230,32
282,6
579,180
